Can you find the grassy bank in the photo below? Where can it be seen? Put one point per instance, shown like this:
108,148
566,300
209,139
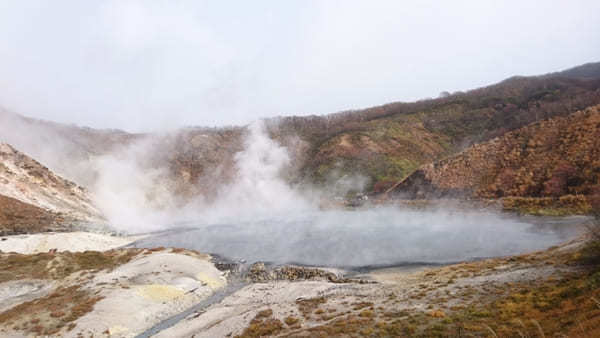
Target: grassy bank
548,206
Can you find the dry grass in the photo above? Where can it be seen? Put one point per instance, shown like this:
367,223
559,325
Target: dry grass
60,265
306,306
353,326
291,321
361,305
546,206
264,314
17,217
262,325
51,314
565,303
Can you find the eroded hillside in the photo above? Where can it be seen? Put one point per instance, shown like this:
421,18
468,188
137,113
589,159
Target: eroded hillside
24,179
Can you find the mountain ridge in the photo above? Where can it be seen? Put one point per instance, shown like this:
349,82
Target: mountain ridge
382,144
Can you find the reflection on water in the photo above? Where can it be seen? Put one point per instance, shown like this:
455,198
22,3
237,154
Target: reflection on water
374,237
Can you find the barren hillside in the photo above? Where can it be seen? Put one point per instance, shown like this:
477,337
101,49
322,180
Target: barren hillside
26,180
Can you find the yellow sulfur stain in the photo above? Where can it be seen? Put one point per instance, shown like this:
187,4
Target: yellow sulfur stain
159,293
117,330
211,281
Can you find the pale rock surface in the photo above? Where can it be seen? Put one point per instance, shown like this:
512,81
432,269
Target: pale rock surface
62,241
147,290
28,181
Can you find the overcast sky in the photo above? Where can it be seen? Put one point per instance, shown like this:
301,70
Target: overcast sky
146,65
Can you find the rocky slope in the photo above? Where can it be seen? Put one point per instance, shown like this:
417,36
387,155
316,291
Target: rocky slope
26,180
552,158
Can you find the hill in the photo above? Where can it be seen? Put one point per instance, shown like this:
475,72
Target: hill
378,146
550,158
24,179
387,143
586,71
64,148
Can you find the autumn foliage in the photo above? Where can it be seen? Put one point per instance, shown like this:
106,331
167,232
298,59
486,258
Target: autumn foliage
594,200
563,175
552,158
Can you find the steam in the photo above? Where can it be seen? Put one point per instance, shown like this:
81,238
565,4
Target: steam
132,197
47,145
133,185
259,216
254,212
369,237
259,188
136,193
340,184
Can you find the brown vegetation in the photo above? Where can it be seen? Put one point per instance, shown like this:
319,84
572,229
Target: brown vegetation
388,142
51,314
307,306
548,206
453,303
262,325
552,158
17,217
15,266
384,143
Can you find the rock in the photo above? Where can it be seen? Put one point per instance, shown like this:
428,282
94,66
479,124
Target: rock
258,273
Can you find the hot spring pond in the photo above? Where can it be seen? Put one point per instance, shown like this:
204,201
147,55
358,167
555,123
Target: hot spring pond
369,238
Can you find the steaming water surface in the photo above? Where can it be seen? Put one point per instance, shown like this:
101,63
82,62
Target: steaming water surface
374,237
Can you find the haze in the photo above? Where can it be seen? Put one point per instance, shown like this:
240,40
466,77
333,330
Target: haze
149,65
